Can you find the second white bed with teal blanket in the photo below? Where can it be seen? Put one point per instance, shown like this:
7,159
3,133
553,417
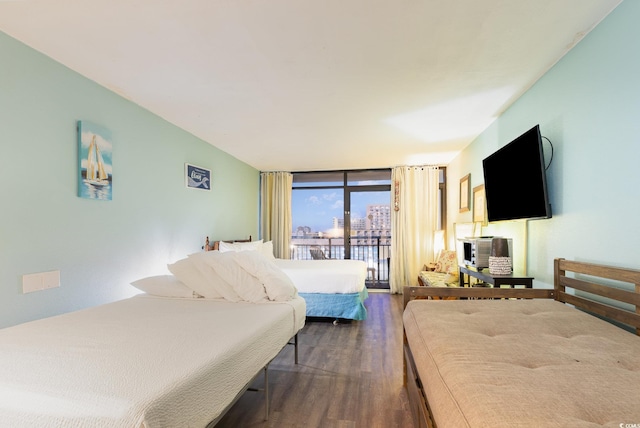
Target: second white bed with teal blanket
331,288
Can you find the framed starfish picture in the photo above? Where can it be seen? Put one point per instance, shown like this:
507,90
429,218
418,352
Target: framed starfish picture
197,177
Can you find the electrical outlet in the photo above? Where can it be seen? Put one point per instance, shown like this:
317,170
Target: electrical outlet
51,279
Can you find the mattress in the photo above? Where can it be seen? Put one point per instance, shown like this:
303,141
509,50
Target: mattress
325,276
140,362
538,363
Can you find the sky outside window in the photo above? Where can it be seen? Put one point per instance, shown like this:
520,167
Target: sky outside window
316,208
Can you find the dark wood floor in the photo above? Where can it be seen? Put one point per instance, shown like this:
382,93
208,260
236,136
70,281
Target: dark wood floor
349,375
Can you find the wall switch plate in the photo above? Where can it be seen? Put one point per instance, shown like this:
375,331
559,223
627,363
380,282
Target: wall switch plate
40,281
31,283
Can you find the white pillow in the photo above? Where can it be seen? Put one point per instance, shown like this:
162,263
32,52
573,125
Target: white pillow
188,273
224,247
240,281
267,250
164,286
277,284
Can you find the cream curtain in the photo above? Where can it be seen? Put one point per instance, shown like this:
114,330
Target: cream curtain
414,198
275,210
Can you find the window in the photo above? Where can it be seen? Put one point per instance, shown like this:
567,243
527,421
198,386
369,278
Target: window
343,213
329,206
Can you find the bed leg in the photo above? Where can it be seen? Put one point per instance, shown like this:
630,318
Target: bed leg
295,347
266,392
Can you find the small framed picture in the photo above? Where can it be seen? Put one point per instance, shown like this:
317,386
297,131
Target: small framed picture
479,205
197,177
465,193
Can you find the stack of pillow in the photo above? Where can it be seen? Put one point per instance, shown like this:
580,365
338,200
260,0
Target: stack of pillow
242,271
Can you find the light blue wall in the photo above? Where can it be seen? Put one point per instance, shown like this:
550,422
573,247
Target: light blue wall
588,105
99,246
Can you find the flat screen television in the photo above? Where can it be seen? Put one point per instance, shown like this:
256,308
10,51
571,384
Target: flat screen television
515,181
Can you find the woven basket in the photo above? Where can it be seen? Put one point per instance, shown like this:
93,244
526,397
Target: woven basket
500,265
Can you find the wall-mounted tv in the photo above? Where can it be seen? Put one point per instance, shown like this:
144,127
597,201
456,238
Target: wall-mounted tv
515,181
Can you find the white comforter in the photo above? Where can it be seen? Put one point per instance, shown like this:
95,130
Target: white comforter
325,276
141,362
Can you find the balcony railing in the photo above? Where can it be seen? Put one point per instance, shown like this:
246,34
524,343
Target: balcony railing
375,251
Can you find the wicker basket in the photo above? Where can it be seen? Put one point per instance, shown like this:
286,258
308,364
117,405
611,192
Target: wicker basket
499,261
500,265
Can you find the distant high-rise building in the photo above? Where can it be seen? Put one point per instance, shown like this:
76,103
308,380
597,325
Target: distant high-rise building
338,223
379,217
358,223
375,228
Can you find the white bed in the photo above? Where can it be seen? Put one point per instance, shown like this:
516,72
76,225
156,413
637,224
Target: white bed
141,362
332,288
147,361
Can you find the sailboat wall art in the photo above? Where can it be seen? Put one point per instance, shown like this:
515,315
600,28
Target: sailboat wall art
95,162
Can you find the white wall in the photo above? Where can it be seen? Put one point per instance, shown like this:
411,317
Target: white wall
588,105
99,246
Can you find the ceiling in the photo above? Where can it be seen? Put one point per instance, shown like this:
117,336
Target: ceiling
313,85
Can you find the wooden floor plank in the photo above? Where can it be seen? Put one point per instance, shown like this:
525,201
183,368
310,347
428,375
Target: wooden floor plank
349,376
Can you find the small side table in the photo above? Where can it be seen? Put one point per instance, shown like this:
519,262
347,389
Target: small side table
495,280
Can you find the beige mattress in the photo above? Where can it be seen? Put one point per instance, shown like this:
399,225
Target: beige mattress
523,363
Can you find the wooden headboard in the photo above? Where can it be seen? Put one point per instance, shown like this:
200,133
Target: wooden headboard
216,244
591,289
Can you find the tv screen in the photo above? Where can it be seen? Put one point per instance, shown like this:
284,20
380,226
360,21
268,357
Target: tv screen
515,181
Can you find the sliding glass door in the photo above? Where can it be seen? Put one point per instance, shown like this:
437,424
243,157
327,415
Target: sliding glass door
370,232
343,215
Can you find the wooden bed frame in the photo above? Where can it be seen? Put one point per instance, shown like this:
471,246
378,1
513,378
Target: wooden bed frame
591,285
216,244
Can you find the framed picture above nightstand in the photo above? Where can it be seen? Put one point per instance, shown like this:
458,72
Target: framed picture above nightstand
465,193
479,205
